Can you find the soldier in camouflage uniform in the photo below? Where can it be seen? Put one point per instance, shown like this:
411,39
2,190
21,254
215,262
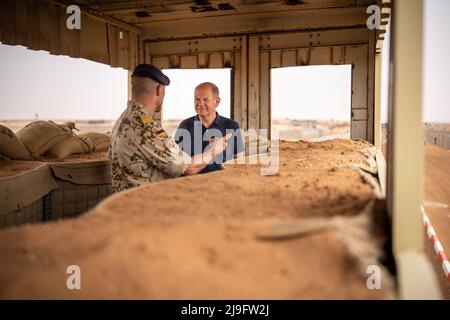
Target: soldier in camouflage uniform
141,151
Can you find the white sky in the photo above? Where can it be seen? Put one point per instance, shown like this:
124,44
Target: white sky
312,93
59,87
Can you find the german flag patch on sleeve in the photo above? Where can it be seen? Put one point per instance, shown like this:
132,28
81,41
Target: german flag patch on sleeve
161,133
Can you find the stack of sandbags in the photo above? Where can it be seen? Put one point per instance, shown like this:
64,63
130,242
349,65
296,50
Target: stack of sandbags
101,141
46,138
70,145
11,147
39,136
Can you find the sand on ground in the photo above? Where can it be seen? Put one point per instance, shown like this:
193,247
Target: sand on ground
192,237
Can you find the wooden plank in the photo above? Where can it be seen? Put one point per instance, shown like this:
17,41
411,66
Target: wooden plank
112,33
308,39
188,62
161,62
358,129
237,99
48,27
357,56
371,88
174,61
27,24
275,59
133,56
320,56
359,114
303,57
202,60
338,55
140,50
289,58
253,82
261,21
123,43
228,59
94,44
215,60
243,82
265,112
176,10
8,17
197,45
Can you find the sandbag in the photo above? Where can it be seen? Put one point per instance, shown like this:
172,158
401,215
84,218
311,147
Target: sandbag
70,145
101,141
11,147
40,136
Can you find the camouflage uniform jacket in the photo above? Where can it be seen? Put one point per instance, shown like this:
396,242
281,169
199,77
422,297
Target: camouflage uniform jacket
141,151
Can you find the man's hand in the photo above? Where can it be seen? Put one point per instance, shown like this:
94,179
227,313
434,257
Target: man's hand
219,145
200,161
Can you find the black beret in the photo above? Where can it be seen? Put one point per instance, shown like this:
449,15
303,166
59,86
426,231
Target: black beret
150,71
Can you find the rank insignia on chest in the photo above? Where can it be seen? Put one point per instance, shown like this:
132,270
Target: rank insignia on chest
146,119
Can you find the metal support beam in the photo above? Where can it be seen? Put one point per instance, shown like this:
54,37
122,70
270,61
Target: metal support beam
377,111
416,278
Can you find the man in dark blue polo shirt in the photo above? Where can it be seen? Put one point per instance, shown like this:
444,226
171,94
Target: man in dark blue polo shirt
195,134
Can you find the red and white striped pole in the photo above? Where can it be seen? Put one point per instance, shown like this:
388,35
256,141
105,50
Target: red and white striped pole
436,244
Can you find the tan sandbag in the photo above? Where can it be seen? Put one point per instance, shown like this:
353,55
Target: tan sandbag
11,147
101,141
40,136
70,145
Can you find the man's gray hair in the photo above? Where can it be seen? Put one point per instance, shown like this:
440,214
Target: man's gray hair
214,89
142,86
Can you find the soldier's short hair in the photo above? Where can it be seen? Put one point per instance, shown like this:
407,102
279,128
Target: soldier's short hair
212,86
142,86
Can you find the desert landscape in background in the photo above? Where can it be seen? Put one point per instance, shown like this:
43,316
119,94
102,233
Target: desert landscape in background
288,129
